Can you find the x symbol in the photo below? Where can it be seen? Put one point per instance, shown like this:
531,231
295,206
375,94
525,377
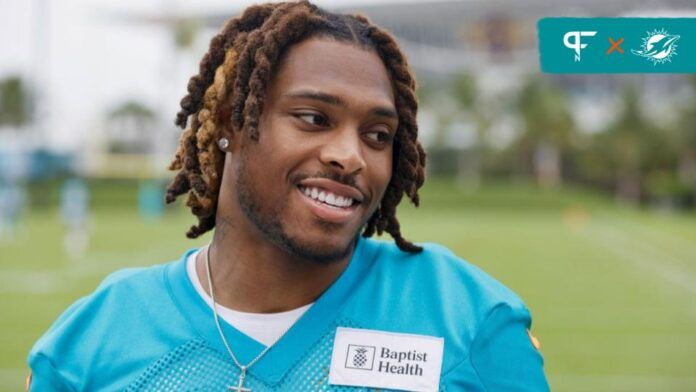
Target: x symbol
615,45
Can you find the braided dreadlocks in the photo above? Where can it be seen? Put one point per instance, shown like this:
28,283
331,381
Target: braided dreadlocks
231,86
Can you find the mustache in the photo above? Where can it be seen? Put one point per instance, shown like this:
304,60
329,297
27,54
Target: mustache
347,179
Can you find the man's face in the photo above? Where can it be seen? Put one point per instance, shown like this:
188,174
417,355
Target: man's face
324,156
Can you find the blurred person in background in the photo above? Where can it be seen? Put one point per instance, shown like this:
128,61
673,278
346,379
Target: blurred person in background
74,211
150,200
12,200
300,140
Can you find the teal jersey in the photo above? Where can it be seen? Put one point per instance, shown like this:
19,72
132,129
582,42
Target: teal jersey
147,329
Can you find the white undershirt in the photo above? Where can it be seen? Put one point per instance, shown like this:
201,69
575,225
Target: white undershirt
265,328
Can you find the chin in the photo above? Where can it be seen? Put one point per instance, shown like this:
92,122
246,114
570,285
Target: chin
327,250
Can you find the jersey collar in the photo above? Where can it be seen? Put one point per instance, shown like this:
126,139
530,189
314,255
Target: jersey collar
299,339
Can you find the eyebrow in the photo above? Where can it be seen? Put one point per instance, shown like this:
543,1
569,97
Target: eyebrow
334,100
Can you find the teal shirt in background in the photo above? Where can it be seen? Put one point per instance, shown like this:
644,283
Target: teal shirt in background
147,329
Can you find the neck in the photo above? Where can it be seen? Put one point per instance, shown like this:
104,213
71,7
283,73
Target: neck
253,275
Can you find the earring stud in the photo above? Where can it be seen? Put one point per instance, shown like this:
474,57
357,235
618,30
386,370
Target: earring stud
223,143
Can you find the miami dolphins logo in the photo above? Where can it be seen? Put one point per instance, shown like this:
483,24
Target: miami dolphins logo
658,47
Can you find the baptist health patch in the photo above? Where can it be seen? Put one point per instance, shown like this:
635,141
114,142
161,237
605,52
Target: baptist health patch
379,359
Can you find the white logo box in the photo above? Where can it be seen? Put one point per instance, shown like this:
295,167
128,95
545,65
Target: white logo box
380,359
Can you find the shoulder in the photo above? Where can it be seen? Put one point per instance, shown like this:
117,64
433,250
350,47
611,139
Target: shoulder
435,292
117,320
439,271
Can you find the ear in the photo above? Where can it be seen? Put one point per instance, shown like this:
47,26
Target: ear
227,131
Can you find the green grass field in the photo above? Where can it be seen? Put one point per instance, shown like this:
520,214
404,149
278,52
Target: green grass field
612,289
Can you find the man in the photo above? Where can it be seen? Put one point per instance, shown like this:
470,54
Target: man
300,141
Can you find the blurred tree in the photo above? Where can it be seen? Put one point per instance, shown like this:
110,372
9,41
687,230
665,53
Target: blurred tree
686,142
433,99
130,128
633,153
548,131
185,33
474,111
15,102
131,109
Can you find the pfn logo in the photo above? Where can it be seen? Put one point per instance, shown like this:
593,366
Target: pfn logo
576,43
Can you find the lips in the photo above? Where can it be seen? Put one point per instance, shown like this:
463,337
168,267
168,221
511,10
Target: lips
333,187
329,200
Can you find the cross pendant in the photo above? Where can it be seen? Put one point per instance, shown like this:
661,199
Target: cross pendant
240,384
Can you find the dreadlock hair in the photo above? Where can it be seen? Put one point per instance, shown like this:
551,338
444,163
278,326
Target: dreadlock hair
231,86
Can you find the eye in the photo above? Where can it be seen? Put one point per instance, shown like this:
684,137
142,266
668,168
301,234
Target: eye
382,137
315,119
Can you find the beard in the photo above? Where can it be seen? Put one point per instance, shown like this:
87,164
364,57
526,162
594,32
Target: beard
267,220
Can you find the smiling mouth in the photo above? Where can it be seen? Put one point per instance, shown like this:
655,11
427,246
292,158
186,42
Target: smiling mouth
333,208
328,198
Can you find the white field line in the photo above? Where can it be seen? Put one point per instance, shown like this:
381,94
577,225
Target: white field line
106,262
650,258
32,282
55,281
684,248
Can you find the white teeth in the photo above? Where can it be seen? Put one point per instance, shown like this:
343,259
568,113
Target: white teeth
327,197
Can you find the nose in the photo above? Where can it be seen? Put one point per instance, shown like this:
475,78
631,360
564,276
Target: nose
343,150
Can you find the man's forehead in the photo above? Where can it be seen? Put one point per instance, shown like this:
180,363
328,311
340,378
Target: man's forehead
324,63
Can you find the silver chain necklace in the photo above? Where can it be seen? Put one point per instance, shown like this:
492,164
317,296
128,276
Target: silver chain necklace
243,368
